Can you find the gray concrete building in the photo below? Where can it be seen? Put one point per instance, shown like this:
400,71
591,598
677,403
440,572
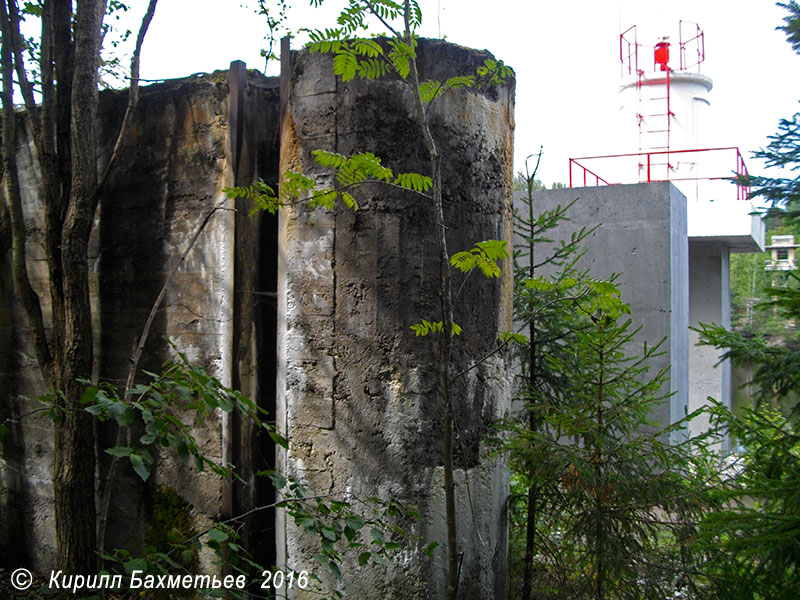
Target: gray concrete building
672,255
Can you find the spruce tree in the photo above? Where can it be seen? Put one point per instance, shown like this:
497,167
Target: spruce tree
606,503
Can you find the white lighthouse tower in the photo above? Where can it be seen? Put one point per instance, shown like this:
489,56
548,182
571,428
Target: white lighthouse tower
666,102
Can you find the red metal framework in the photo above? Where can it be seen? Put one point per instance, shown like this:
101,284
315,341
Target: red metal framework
646,160
691,39
691,49
629,51
654,113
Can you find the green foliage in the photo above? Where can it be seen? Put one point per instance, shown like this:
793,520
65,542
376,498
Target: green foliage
483,256
366,167
377,529
350,171
520,184
777,365
494,72
784,147
262,195
377,532
611,488
791,26
161,407
171,522
424,328
430,90
275,21
604,506
753,540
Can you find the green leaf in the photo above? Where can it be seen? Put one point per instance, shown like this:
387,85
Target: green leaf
334,568
363,558
424,328
414,181
377,536
325,198
217,535
135,564
367,47
168,560
517,338
349,201
430,90
355,522
345,64
89,395
538,284
430,548
483,256
278,438
119,451
198,462
139,465
278,480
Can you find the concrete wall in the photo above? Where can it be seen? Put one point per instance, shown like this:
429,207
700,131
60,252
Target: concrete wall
358,393
176,160
709,302
641,236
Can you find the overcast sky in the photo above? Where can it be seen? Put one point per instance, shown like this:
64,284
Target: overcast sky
565,54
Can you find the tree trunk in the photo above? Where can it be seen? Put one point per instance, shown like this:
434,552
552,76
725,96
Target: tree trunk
533,496
74,443
445,295
28,297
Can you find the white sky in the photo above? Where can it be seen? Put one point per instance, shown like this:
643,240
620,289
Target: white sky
565,54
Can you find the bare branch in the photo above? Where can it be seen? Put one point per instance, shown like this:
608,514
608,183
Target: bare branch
22,77
105,500
371,7
133,95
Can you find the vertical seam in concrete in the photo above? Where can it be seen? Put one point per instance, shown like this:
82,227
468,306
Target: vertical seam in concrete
332,351
281,410
237,80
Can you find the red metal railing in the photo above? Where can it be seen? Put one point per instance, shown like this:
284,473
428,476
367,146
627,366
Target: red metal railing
675,169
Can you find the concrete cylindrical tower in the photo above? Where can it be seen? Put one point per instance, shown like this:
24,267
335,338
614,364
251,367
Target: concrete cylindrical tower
358,393
688,102
663,112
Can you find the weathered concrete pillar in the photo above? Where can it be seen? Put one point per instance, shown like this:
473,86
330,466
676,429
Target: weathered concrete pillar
358,394
179,155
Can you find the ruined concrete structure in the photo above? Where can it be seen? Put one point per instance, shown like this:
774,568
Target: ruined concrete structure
307,312
177,159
